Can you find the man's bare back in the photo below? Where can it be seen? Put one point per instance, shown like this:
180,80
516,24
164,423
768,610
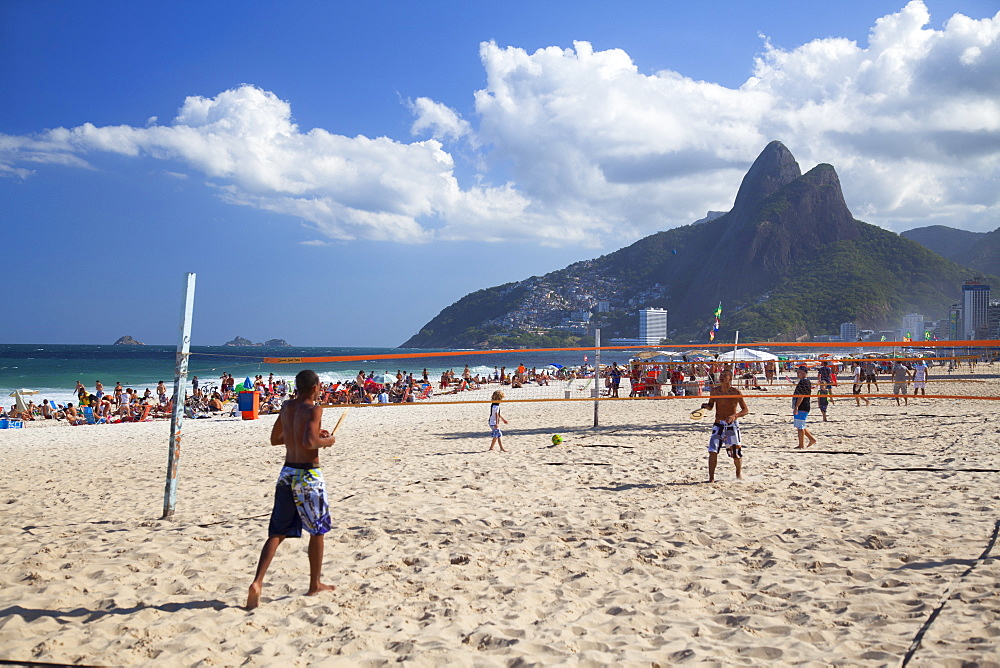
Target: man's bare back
298,428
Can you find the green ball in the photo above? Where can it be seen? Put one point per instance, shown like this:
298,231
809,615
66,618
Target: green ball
556,439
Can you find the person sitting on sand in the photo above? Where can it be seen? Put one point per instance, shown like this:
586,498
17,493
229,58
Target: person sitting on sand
729,407
72,417
300,499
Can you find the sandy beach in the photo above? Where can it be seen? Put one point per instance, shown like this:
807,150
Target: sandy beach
607,549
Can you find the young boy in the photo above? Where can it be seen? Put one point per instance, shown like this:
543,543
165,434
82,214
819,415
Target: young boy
729,408
494,418
300,493
823,399
800,407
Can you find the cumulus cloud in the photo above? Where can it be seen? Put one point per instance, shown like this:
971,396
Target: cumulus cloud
442,122
911,121
593,150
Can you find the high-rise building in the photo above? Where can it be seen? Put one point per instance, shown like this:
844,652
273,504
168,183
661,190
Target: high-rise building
913,324
993,320
953,331
975,301
848,331
652,325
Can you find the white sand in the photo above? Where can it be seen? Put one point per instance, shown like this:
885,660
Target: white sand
608,549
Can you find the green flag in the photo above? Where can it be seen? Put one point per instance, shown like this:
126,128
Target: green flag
883,337
718,311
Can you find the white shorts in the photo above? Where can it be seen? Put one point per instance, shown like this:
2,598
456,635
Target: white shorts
724,436
919,385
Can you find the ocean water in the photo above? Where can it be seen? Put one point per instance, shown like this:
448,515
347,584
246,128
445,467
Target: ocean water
53,369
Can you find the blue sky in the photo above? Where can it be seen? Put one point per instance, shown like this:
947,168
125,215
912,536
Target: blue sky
337,173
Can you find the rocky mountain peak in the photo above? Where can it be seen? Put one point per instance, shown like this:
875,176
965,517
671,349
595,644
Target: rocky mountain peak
773,169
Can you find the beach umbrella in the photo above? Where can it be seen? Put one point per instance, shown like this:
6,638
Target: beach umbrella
19,402
22,392
556,366
388,379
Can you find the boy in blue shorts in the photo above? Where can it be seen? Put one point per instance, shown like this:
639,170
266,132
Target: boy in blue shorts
800,407
300,493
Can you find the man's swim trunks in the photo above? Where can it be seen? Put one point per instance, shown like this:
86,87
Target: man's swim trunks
299,502
725,435
799,419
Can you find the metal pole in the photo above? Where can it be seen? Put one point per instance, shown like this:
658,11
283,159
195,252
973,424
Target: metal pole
180,388
597,373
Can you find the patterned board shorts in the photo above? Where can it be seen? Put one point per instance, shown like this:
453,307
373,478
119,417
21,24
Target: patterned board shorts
299,503
495,432
725,436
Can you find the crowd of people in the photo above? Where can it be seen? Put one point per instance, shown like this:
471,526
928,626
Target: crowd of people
646,379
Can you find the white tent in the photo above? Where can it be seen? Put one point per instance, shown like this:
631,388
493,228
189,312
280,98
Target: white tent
747,355
650,354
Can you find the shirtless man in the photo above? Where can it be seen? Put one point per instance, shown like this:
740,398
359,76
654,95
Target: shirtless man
729,407
300,493
900,374
72,417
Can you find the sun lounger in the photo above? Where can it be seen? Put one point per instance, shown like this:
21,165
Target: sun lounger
88,415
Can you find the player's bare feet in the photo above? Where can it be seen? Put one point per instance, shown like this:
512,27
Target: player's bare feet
319,589
253,596
811,443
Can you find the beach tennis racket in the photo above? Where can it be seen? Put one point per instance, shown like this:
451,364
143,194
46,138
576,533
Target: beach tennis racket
337,426
698,414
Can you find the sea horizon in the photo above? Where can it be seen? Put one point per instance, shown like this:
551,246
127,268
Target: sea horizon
53,369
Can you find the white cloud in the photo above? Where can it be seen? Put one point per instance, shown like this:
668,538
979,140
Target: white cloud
593,150
442,122
911,121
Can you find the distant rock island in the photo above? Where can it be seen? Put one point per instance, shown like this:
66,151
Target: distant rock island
128,341
240,342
